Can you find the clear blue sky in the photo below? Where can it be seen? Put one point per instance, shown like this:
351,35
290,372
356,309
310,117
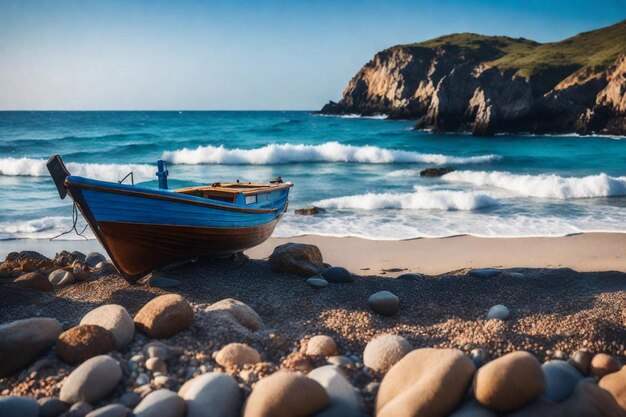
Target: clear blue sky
108,54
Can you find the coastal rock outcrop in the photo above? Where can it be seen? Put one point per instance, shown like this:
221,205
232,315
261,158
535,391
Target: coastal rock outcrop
490,84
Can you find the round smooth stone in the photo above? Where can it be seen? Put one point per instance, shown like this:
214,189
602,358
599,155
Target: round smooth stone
161,403
499,312
337,275
317,283
115,319
384,303
382,352
561,380
321,345
409,276
92,381
14,406
212,395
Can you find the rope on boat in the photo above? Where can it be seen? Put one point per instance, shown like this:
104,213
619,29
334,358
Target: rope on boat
73,229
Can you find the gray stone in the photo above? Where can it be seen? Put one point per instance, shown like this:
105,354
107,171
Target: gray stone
159,350
515,275
581,360
111,410
561,380
79,255
241,312
410,277
15,406
340,361
129,399
212,395
484,272
61,277
317,283
92,381
337,275
115,319
384,303
161,403
472,408
23,341
94,258
343,399
499,312
163,282
479,357
80,409
51,407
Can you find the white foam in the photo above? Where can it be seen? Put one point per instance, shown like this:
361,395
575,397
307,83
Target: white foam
42,228
325,152
421,199
108,172
544,185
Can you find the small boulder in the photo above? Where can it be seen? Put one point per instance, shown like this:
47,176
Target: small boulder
35,281
84,342
298,259
79,255
509,382
435,172
581,360
94,258
23,341
212,395
337,275
81,275
163,282
309,211
321,345
161,403
286,394
241,312
51,407
16,406
384,303
343,399
603,364
111,410
615,384
164,316
384,351
484,272
410,277
26,261
426,382
80,409
115,319
61,277
498,312
561,380
237,354
92,381
472,408
317,283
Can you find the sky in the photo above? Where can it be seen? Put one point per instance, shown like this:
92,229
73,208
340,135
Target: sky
238,55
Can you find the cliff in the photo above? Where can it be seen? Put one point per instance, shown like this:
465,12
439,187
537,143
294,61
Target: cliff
489,84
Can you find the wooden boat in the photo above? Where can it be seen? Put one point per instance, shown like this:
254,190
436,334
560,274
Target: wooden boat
143,228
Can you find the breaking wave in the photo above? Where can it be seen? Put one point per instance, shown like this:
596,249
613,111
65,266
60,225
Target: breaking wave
28,167
544,185
42,228
325,152
421,198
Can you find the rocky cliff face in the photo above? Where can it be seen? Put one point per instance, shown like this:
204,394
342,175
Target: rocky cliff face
494,84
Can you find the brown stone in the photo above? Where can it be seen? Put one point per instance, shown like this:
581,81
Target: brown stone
581,360
384,351
286,394
603,364
426,382
237,354
164,316
615,384
509,382
298,259
84,342
321,345
35,281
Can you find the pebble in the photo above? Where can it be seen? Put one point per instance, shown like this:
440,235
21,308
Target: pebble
111,410
237,354
94,258
343,399
115,319
26,340
581,360
104,265
35,281
516,275
426,382
163,282
156,365
81,275
286,394
83,342
239,311
382,352
342,361
509,382
16,406
80,409
410,277
484,272
479,356
499,312
161,403
298,259
129,399
603,364
384,303
212,395
142,379
615,384
92,381
317,283
164,316
337,275
51,407
61,277
321,345
561,380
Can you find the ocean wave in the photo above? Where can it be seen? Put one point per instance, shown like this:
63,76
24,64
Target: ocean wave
356,116
421,198
28,167
325,152
42,228
544,185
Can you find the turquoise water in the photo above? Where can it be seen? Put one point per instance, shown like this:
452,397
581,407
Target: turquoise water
363,171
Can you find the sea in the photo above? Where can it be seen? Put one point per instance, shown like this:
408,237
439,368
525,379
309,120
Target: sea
363,171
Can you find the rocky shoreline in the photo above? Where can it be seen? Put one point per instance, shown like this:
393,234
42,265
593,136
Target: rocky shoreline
292,336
